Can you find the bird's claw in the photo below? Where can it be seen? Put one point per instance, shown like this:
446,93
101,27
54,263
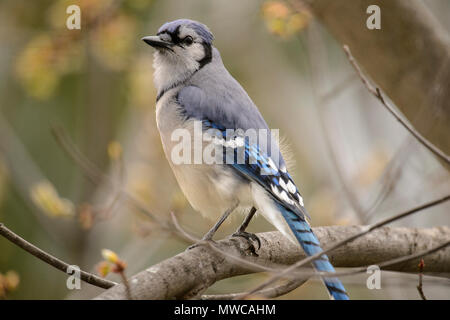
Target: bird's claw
248,236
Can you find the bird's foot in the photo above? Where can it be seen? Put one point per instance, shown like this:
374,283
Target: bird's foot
248,236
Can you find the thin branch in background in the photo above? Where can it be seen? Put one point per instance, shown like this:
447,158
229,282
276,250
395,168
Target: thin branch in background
420,286
316,45
119,167
377,93
90,170
387,182
337,89
24,173
94,174
126,284
185,234
51,260
268,293
345,241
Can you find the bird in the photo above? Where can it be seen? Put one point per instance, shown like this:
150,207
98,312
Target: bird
196,93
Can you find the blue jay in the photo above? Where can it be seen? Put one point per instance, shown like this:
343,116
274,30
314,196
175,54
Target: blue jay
194,87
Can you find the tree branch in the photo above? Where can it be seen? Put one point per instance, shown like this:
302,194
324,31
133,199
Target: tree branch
176,276
51,260
375,91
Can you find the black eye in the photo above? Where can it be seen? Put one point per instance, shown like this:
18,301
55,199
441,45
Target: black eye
188,40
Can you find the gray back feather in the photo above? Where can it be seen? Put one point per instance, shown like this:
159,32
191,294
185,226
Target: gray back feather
213,94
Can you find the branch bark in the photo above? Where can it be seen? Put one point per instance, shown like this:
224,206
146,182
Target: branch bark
409,58
51,260
195,270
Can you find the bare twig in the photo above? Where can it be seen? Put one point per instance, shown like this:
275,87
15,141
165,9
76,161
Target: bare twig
268,293
420,287
326,97
51,260
377,93
185,234
126,284
95,175
343,242
388,180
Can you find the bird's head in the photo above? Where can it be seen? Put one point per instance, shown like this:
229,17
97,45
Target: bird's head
182,47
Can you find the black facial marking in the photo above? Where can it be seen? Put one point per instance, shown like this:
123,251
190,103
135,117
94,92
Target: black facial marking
176,40
208,55
173,35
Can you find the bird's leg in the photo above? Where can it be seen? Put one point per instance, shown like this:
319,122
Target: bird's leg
208,236
212,231
240,232
246,221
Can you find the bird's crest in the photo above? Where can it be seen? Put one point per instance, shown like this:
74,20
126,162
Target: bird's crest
199,28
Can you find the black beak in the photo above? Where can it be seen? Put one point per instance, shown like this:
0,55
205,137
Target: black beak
157,43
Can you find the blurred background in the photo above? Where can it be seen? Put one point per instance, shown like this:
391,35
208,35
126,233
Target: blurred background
91,91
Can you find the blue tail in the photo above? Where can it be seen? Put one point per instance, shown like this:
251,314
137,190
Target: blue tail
311,246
